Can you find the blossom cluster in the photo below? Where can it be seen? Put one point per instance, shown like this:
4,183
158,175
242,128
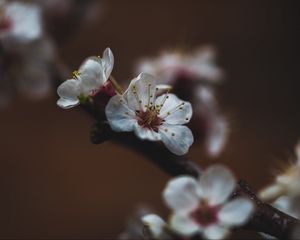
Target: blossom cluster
139,109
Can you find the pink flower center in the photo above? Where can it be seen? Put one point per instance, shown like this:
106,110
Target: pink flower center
5,22
102,95
149,119
205,215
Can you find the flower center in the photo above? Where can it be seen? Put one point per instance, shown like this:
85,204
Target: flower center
5,22
205,215
149,113
103,94
149,119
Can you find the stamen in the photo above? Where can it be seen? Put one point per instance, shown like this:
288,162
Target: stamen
149,85
164,100
137,97
76,74
179,107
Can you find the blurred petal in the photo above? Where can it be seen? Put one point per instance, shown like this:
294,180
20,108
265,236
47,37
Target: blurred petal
184,225
217,183
155,223
26,20
215,232
236,212
180,194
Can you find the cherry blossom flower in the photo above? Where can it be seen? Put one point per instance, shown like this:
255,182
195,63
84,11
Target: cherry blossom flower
89,82
64,18
19,21
284,193
204,205
156,225
27,55
169,65
135,228
193,76
151,117
286,183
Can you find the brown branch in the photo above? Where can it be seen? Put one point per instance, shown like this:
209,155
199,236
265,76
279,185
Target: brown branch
266,218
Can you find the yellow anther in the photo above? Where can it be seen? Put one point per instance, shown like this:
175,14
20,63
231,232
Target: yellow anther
76,74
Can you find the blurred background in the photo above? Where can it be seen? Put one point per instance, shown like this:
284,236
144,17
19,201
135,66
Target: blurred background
56,184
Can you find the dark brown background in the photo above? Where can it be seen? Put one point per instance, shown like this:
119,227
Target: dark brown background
56,184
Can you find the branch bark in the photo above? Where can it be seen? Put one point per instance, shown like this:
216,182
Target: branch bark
266,218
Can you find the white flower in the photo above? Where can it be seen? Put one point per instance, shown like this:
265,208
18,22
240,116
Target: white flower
169,65
203,206
151,117
155,224
19,21
134,226
286,183
192,76
88,80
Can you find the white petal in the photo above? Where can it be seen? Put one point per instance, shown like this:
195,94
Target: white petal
26,19
67,103
180,194
155,223
284,204
91,74
119,116
184,225
174,110
217,183
217,136
68,92
236,212
139,92
145,133
177,138
107,62
215,232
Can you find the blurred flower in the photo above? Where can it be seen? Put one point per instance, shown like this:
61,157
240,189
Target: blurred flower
286,183
19,22
90,82
151,117
156,225
285,191
203,206
65,17
135,228
192,77
27,55
168,66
